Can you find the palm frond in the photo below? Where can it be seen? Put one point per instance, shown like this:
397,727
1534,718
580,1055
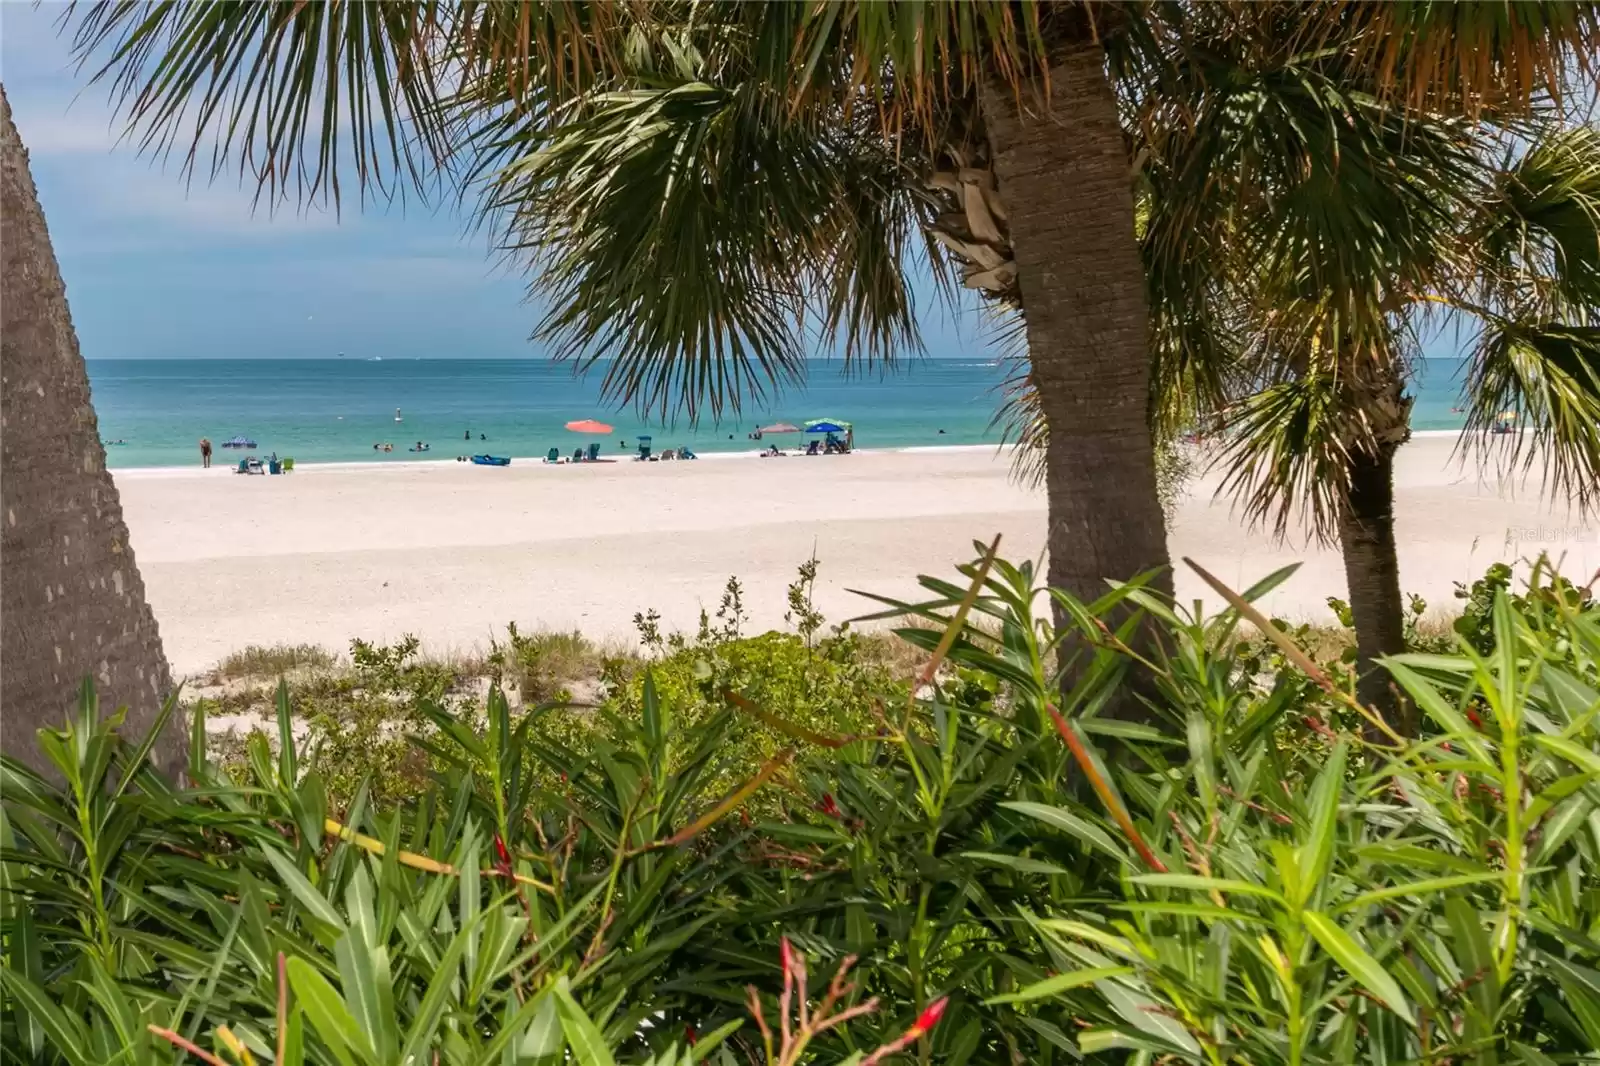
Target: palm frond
1547,378
1285,448
1472,56
1019,417
1537,232
297,94
688,238
905,61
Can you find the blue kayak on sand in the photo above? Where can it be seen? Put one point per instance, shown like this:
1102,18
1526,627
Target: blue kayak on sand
492,460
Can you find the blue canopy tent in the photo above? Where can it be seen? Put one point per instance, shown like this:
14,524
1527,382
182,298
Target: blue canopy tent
239,442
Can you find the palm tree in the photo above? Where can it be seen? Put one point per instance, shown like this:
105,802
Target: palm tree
73,601
1514,261
727,153
1336,221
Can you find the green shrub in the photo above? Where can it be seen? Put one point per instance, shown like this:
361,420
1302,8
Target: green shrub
1544,588
1247,880
790,687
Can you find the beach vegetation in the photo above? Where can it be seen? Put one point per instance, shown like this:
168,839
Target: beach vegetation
255,661
996,875
545,666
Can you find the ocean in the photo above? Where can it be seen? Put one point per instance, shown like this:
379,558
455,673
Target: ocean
335,410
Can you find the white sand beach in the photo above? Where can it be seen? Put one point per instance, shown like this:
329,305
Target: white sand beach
452,552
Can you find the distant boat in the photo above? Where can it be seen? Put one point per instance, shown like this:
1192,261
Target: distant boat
397,417
376,359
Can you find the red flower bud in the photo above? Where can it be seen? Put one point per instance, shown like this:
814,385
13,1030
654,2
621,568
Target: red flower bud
502,853
929,1017
690,1036
828,806
1472,716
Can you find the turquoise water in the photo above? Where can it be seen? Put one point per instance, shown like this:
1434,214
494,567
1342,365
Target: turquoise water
334,410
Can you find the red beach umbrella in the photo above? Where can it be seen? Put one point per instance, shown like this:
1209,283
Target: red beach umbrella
588,425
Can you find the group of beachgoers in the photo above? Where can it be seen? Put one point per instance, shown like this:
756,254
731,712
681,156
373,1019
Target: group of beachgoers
417,447
830,446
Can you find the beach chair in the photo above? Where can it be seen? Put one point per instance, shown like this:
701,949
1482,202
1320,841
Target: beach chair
644,449
554,456
686,452
274,466
288,466
244,467
815,448
594,452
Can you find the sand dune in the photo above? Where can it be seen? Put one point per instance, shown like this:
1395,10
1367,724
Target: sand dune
452,552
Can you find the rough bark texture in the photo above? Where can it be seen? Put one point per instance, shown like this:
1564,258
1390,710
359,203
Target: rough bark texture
1372,570
71,600
1064,178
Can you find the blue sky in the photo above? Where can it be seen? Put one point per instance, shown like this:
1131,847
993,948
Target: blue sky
155,269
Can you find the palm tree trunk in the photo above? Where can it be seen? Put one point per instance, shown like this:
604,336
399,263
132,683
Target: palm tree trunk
1063,172
1372,571
71,603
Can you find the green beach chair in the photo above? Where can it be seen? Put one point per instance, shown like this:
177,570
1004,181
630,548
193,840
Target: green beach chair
594,452
554,456
288,466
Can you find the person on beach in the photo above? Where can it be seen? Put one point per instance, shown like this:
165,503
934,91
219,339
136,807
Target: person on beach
205,453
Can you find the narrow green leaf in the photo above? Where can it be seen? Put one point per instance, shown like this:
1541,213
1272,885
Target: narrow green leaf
1070,823
1316,852
1451,720
1014,862
64,1031
333,1023
1356,962
1064,982
1207,884
713,1040
1583,758
312,900
583,1036
1416,889
431,1009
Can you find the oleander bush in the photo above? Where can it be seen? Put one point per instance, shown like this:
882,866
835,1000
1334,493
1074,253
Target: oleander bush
995,872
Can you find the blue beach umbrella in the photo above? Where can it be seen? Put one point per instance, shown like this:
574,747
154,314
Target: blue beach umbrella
827,425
